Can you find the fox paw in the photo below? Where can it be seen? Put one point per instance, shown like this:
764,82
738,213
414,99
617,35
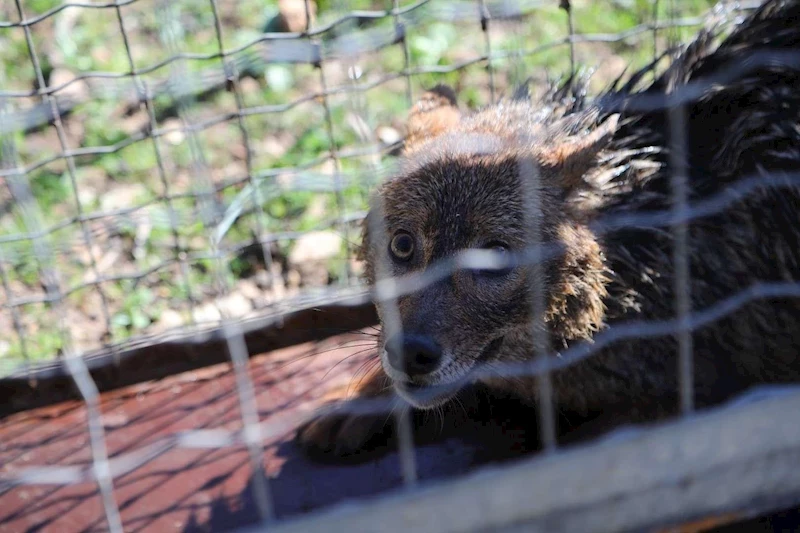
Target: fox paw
344,436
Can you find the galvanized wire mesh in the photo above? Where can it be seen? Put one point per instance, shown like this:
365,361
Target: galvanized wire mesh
104,252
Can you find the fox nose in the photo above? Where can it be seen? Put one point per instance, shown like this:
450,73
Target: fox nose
415,355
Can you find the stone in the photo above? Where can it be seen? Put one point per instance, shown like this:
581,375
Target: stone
248,85
293,14
77,90
315,246
293,279
176,135
388,135
234,305
121,196
207,312
169,319
249,289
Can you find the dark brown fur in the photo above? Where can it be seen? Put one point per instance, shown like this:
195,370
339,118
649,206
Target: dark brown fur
465,182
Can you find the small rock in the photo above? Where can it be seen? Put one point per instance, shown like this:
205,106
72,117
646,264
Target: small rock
169,319
74,130
262,301
314,274
135,123
249,289
263,279
248,85
207,313
388,135
234,170
278,291
76,90
293,14
237,150
276,146
86,257
92,304
198,243
87,197
315,246
176,136
279,78
293,279
234,305
121,196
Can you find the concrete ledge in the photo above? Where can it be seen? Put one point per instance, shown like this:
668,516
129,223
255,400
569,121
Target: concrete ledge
742,458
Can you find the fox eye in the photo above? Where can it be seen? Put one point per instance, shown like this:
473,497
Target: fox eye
499,248
402,246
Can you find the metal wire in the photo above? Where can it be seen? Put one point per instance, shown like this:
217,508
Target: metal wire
316,45
678,162
532,187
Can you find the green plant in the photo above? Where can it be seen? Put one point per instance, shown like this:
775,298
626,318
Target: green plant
138,310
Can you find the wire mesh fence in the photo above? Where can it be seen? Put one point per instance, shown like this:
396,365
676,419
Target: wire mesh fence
199,173
178,214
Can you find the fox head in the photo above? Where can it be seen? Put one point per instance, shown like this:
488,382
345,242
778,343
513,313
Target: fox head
499,180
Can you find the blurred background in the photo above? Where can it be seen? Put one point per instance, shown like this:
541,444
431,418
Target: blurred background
166,164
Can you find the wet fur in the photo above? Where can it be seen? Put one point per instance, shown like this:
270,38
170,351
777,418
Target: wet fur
459,187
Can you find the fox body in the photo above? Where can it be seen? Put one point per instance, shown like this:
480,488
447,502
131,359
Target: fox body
521,174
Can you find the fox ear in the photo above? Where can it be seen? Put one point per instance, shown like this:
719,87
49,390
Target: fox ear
571,158
434,113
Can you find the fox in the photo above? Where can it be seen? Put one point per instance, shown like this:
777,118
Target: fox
526,173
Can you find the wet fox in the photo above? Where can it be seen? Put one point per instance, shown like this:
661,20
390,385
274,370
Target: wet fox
564,164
